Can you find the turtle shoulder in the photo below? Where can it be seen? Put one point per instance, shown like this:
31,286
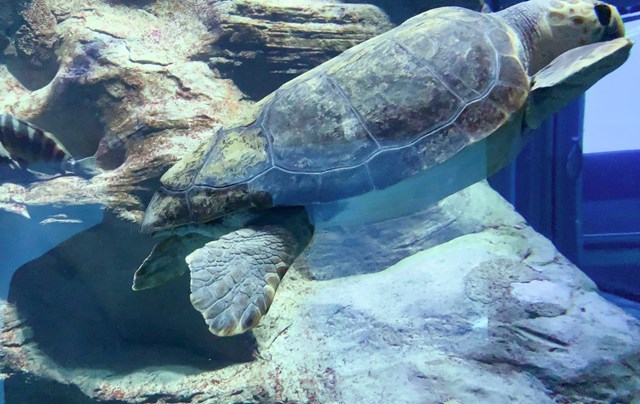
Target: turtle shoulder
200,167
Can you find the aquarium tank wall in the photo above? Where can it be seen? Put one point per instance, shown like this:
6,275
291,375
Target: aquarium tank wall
591,218
352,201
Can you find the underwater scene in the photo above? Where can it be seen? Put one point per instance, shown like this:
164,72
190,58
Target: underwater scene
319,201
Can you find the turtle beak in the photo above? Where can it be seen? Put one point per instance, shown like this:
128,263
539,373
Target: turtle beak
611,20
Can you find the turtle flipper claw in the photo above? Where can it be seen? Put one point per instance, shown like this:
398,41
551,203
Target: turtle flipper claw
234,279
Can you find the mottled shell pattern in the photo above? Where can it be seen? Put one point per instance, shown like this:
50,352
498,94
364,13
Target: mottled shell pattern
367,119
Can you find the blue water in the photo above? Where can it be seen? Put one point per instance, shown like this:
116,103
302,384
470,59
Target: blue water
23,240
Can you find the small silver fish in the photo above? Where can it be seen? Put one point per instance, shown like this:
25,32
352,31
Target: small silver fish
31,146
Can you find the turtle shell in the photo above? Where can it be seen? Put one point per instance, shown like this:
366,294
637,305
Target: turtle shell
378,113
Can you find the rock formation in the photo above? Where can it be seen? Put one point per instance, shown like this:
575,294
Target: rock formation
140,84
491,311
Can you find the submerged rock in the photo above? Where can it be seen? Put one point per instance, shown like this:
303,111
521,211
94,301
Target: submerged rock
36,39
483,312
128,91
264,44
400,10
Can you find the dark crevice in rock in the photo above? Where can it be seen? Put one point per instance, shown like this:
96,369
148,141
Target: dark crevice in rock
401,10
260,46
74,118
112,150
79,310
133,3
112,158
4,41
145,189
27,389
30,77
254,76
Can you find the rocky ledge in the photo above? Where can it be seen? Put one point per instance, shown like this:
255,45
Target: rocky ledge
486,310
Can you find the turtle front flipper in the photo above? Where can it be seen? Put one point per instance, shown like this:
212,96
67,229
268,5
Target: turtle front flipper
571,74
234,279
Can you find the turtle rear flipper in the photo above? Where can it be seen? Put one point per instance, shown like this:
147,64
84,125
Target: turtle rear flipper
166,261
234,279
571,74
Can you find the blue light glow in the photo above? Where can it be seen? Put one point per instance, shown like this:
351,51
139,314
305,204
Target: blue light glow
611,121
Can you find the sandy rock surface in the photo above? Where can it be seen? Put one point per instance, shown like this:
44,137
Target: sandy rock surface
494,314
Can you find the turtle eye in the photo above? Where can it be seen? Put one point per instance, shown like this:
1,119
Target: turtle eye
603,12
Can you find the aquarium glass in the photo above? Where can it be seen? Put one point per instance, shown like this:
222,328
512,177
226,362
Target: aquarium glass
611,119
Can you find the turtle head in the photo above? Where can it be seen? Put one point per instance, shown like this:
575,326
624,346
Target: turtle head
548,28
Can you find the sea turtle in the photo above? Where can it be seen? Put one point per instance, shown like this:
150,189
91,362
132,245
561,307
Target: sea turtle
428,108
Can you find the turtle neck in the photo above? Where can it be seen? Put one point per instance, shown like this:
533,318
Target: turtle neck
523,18
548,28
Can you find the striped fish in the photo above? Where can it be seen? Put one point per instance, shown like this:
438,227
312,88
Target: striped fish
35,148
